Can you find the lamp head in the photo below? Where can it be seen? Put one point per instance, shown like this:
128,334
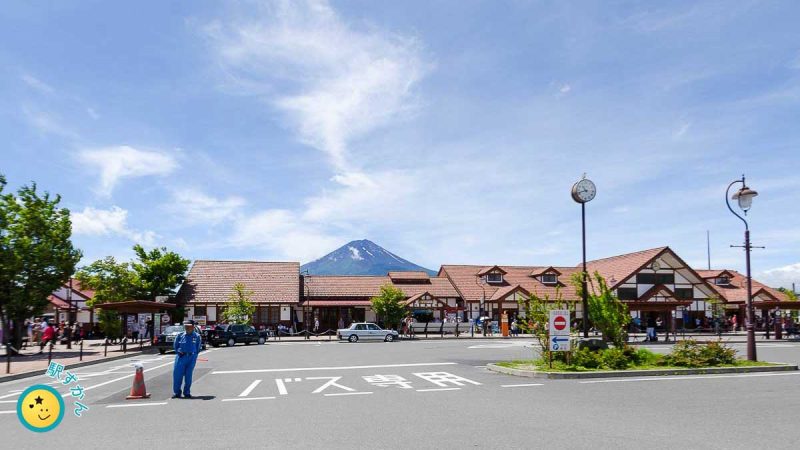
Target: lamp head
744,197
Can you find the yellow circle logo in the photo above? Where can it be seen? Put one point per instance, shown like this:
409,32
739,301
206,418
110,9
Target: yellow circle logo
40,408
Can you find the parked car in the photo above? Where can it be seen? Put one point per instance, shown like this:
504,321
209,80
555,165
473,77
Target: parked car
166,340
366,331
231,335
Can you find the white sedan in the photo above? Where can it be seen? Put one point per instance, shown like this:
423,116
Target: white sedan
366,330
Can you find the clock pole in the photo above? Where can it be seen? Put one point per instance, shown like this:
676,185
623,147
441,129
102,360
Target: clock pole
585,275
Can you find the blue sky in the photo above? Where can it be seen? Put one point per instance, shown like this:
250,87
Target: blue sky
448,132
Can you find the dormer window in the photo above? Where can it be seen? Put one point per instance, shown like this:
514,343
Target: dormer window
549,278
722,281
494,277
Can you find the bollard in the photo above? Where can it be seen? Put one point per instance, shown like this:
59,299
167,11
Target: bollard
441,329
8,358
80,355
105,344
426,330
457,329
50,353
125,345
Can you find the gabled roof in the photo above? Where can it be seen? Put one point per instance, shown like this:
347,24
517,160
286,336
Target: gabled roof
57,302
467,281
708,274
544,270
212,281
368,286
655,291
418,296
621,267
486,270
504,292
736,291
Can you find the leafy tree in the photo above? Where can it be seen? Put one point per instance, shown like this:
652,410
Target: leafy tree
111,281
606,312
537,316
239,309
159,271
791,296
390,305
36,253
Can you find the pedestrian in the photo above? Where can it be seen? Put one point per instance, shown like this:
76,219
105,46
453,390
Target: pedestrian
514,328
187,346
37,331
651,329
135,331
48,337
148,329
341,323
733,324
316,325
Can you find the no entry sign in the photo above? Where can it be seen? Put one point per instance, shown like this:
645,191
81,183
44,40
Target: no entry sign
559,330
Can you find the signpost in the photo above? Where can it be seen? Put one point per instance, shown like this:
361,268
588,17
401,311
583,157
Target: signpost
558,332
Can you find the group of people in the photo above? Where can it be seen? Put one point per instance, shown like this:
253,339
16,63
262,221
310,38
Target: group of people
44,332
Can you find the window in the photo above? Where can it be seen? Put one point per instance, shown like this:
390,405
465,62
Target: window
655,278
722,281
549,278
494,277
199,310
361,326
374,327
627,293
684,293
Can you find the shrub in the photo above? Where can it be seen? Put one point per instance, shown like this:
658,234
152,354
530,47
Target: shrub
689,353
616,359
587,359
644,357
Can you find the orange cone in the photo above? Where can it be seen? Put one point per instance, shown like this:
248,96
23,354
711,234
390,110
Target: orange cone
138,390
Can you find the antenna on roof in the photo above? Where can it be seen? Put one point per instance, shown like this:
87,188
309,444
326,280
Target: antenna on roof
708,248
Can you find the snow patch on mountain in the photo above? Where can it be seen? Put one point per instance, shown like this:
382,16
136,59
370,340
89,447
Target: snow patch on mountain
354,254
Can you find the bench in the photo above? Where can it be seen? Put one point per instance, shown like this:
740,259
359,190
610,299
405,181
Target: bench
438,328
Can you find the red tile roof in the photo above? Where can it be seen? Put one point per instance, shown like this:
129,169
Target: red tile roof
409,275
57,302
736,291
368,286
212,281
621,267
466,280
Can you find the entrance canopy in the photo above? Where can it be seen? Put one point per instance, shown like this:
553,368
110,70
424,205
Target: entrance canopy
136,307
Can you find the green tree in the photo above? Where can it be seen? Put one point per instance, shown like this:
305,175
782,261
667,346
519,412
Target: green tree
159,271
239,309
791,296
537,316
606,312
36,253
390,305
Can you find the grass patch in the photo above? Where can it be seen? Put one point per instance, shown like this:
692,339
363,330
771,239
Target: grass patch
539,365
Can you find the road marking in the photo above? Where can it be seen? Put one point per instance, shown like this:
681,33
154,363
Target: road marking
521,385
250,388
281,387
688,377
9,401
8,412
339,394
118,379
10,395
246,398
438,389
303,369
130,405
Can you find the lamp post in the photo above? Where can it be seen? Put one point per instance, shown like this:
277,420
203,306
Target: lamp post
480,282
744,197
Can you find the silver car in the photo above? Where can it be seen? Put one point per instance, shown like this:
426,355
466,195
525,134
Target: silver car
366,330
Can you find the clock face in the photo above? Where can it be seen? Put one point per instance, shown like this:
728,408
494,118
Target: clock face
584,191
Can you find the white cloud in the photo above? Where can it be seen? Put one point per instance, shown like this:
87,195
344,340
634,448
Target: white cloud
117,163
197,206
47,123
346,82
104,222
682,130
781,276
281,232
565,88
37,84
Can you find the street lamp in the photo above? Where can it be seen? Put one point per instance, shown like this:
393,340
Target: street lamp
744,196
582,192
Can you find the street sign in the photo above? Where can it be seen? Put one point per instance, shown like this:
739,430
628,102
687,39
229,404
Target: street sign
559,322
559,343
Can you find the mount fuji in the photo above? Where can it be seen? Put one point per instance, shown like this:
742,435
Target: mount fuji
362,257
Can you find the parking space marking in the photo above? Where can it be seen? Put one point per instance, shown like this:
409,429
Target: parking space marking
339,394
521,385
8,412
439,389
246,398
9,401
250,388
130,405
304,369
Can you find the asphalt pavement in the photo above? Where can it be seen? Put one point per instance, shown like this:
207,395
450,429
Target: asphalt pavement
418,394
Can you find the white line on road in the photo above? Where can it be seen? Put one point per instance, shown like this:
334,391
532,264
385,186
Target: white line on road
10,395
250,388
687,377
438,389
129,405
246,398
8,412
303,369
521,385
118,379
339,394
9,401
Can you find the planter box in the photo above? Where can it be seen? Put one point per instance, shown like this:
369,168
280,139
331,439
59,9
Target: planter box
639,373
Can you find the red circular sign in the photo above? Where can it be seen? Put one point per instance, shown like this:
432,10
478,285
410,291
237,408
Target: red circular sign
560,322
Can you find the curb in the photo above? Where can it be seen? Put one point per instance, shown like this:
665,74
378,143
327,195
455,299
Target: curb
19,376
638,373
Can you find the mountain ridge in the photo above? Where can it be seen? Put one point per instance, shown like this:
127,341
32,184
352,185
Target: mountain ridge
360,257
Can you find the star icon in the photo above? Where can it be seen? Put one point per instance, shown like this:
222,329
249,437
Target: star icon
39,400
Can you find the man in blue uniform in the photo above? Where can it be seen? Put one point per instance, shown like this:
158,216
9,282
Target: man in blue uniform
187,346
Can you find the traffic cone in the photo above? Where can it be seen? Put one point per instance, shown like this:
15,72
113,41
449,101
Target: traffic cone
138,390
